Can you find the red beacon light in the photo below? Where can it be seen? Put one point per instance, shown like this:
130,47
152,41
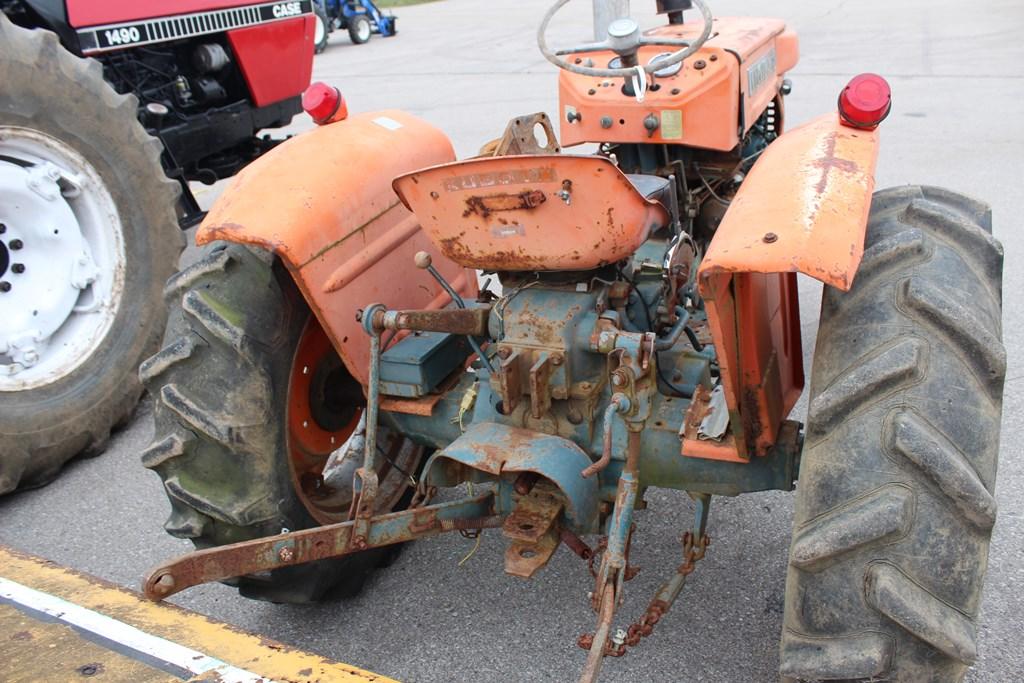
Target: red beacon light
865,102
324,103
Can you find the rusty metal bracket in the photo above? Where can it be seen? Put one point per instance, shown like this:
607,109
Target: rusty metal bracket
510,382
533,530
520,137
540,385
308,545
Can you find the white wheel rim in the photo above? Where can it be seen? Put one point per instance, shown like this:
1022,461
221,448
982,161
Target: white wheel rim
364,30
62,228
320,31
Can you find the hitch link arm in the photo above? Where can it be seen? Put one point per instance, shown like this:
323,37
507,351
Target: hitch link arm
318,543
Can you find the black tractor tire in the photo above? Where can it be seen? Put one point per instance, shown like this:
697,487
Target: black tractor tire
324,25
895,503
220,388
359,29
49,90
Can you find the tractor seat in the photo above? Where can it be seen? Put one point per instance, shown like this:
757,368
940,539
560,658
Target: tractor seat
535,212
653,187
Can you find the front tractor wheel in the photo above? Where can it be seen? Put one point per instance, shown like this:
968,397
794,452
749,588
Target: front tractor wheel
250,400
895,504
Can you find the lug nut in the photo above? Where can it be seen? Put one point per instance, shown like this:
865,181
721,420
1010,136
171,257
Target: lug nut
5,286
16,244
3,228
18,268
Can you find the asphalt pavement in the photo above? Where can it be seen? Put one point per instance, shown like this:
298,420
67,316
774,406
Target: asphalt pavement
468,66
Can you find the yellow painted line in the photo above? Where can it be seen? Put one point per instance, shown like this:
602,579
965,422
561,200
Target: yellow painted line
154,636
34,650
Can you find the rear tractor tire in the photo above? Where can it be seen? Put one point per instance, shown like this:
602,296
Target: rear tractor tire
895,504
250,399
88,235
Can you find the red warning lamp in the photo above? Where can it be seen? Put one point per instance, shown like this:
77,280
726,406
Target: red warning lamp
865,101
324,103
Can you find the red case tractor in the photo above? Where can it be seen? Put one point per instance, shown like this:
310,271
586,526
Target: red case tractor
315,395
107,111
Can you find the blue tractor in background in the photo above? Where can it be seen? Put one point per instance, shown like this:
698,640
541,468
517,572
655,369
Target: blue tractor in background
362,18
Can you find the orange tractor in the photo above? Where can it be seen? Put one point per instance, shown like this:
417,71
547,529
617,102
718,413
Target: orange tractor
333,374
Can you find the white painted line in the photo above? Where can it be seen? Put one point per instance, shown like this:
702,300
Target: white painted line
190,660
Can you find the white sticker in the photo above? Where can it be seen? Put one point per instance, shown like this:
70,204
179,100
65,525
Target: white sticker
385,122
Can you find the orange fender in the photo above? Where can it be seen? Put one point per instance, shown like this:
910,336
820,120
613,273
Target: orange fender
322,201
802,209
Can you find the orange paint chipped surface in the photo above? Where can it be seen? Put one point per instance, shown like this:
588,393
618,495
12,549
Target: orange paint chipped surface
536,212
802,209
323,202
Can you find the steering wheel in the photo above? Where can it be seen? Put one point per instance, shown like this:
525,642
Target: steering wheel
624,39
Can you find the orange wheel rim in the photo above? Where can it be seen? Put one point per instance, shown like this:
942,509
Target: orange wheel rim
324,408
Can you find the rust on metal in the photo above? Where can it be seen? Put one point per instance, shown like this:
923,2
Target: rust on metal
520,138
803,208
526,559
509,382
308,545
533,531
576,544
466,321
485,205
488,213
540,389
525,482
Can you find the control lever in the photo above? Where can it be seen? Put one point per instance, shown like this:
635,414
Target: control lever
423,261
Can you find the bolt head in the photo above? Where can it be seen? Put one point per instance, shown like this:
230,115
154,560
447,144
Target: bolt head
16,244
18,268
770,237
5,286
286,554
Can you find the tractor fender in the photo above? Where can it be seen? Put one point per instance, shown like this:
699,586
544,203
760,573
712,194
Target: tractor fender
803,208
497,450
322,201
